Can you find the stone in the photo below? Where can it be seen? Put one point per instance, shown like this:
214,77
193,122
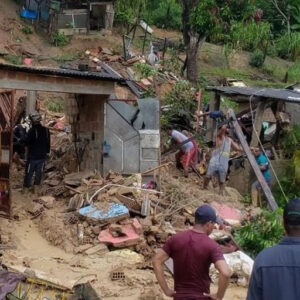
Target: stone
4,239
178,221
146,223
100,249
47,201
96,230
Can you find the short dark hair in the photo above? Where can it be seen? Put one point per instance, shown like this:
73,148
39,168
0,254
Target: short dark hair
291,217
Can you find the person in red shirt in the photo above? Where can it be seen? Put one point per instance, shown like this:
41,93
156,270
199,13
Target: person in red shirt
193,252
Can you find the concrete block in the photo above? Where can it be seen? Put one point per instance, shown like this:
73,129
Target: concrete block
130,237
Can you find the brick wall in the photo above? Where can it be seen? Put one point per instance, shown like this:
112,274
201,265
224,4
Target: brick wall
86,115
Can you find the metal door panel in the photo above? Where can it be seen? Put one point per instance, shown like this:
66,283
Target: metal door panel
123,139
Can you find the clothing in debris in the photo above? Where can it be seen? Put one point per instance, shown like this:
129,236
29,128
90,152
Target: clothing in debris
263,161
38,143
192,253
9,282
218,163
19,136
276,272
186,154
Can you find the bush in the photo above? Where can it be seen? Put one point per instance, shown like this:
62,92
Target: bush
288,46
260,232
294,72
181,106
59,39
257,58
27,30
145,70
250,36
14,59
55,105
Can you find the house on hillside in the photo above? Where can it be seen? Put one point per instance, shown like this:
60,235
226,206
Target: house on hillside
69,16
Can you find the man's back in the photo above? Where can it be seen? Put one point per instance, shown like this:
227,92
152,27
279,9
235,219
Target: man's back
276,272
192,253
38,142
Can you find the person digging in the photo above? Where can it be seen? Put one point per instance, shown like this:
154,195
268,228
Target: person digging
218,164
185,156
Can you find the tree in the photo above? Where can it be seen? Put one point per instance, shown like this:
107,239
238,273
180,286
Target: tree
200,18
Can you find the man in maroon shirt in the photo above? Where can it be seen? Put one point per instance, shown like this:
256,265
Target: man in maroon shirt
193,252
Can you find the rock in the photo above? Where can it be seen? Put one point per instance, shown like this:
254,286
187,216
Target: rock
4,239
96,230
47,201
178,221
100,249
26,262
146,223
82,248
106,51
145,82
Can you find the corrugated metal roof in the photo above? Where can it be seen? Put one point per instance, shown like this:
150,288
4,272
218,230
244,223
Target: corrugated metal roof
101,75
258,93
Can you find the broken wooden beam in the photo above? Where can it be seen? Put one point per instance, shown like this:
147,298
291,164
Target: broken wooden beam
265,187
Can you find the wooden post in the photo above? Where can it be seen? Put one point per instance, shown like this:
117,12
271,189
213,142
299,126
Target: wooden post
265,187
199,97
211,124
258,123
31,102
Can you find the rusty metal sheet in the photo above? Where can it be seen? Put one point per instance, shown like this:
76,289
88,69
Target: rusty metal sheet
6,138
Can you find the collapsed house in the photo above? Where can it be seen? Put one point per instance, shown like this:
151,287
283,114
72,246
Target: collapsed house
108,135
266,110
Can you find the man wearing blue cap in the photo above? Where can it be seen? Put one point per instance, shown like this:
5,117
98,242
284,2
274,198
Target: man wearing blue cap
193,252
276,270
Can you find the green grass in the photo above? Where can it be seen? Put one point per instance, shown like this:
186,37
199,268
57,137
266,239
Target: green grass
66,57
14,59
294,73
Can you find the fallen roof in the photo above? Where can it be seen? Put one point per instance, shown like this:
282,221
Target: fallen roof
243,94
104,74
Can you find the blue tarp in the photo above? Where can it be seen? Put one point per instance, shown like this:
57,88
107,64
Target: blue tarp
114,210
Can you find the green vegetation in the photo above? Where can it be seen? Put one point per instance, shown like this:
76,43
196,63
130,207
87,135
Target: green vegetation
55,105
27,30
67,57
260,232
59,39
250,36
294,72
181,102
14,59
145,70
257,58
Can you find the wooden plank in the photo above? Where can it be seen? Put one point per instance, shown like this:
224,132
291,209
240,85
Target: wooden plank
211,124
258,123
256,169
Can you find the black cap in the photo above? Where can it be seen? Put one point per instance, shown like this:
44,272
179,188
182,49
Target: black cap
206,213
291,214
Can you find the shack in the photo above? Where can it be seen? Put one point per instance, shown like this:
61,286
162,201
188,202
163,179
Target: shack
109,135
268,112
70,16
